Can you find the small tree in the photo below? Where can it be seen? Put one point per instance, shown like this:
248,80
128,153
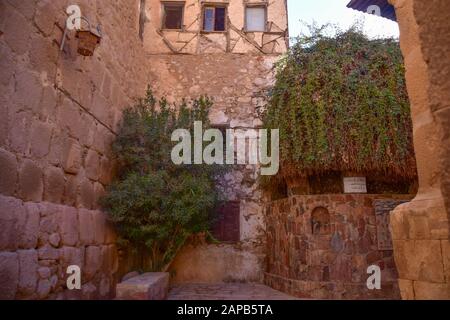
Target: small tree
154,203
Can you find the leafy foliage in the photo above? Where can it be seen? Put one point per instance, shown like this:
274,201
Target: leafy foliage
154,203
341,104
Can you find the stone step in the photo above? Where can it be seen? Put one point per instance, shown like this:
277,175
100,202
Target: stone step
147,286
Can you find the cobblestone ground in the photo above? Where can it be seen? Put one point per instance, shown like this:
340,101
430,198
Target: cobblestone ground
226,291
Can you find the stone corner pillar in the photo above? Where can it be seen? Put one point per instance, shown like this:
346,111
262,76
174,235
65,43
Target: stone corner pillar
420,228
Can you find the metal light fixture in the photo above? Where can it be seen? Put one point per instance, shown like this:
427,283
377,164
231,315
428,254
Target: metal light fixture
88,39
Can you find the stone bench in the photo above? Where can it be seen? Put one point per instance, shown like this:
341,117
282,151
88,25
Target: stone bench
147,286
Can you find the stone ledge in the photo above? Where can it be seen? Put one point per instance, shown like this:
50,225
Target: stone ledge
147,286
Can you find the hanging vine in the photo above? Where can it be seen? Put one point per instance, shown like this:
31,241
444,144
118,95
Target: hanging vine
341,104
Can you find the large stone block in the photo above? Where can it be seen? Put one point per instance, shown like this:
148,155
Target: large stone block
71,156
41,134
54,183
419,260
93,261
100,139
92,164
47,107
67,220
28,276
44,288
100,225
11,211
7,66
70,190
48,223
148,286
72,256
9,275
17,31
8,172
406,289
86,194
28,89
31,184
44,57
101,110
86,226
69,117
431,291
88,124
26,8
19,131
46,11
29,226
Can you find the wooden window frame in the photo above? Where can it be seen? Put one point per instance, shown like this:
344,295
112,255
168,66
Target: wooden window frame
236,237
142,19
181,4
256,5
214,5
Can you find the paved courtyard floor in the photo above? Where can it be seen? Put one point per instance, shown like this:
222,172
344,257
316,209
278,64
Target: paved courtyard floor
226,291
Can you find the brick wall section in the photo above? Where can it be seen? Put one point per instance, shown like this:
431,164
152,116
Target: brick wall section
59,112
332,262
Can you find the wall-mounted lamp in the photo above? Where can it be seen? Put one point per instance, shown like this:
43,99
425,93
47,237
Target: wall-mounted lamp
87,39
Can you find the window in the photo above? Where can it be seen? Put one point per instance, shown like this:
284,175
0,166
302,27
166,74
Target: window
227,224
173,15
214,18
142,19
255,18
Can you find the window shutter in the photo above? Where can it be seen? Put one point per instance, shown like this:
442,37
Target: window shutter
208,19
173,16
219,24
227,224
256,19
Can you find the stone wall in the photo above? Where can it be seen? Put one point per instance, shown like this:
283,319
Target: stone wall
319,246
40,240
59,112
420,229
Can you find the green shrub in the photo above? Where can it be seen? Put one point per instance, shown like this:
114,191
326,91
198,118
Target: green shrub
155,204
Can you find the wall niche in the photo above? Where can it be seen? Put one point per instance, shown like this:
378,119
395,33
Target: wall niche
320,221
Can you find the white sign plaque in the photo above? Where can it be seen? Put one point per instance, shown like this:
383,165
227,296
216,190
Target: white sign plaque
355,185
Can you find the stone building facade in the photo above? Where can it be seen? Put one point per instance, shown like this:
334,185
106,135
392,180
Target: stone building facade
230,59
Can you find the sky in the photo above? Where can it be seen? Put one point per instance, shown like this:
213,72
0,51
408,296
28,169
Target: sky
336,12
